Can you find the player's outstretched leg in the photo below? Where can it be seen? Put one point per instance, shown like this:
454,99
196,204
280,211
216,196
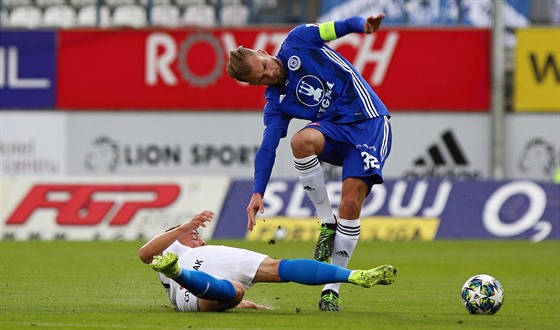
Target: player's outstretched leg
382,275
325,243
167,265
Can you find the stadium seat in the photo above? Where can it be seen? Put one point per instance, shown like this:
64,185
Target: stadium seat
87,16
129,16
112,4
79,4
155,2
44,4
224,2
62,16
234,14
165,15
200,15
26,16
3,17
11,4
185,3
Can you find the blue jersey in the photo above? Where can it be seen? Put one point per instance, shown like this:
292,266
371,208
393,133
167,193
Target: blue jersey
321,86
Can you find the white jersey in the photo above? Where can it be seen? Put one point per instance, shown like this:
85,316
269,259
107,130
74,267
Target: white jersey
222,262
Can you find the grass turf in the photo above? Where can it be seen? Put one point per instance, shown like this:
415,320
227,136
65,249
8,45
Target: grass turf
103,285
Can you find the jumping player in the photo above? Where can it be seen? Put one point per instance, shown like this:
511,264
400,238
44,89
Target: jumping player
349,127
200,277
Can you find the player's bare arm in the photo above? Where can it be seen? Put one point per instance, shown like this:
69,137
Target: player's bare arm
255,205
373,23
158,244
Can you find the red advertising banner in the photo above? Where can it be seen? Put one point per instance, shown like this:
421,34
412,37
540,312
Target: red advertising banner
410,69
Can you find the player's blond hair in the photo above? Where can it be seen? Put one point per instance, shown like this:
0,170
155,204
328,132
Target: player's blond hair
238,67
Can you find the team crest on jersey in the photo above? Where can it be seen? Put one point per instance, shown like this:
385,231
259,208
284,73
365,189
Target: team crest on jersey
294,63
310,90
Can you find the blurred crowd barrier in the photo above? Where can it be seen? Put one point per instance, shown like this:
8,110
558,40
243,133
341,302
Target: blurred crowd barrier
210,13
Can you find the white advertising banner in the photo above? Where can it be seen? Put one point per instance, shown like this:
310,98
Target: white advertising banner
105,208
532,146
32,143
425,145
440,145
171,143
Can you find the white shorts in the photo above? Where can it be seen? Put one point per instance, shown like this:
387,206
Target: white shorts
222,262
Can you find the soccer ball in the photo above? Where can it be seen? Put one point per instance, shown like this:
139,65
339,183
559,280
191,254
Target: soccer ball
482,294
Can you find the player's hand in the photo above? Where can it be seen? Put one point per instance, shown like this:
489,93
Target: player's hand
198,220
246,304
255,205
373,23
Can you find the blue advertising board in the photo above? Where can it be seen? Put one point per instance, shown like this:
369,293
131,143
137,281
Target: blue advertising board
27,69
518,209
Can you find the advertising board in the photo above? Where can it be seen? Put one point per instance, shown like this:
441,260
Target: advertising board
537,70
407,210
145,143
28,69
532,144
411,69
443,145
78,208
32,143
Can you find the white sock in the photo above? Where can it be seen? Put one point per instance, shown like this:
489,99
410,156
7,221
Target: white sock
347,233
312,180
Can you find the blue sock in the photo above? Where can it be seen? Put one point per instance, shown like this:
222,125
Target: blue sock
311,272
206,286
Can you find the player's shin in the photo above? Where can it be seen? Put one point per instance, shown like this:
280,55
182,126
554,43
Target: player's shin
312,180
346,239
206,286
311,272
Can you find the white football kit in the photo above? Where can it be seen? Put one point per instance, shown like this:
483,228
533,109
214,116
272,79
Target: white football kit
222,262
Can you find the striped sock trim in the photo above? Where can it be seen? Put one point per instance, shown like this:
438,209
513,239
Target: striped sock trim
304,165
348,231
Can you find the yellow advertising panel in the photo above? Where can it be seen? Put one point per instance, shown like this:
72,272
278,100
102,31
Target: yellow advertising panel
537,70
372,229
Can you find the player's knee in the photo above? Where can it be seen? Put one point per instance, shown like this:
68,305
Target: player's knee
298,144
306,143
239,292
225,304
239,289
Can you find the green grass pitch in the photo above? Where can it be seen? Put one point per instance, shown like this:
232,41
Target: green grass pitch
103,285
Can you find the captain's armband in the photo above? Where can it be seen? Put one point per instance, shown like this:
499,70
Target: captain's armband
327,32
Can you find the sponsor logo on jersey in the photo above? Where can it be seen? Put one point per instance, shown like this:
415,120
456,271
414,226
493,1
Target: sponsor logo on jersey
294,63
310,90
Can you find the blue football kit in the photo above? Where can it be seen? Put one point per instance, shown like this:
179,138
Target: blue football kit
324,88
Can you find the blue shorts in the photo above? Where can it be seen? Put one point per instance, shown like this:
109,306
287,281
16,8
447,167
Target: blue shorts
361,148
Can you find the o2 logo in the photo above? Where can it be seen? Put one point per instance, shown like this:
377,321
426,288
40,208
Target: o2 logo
370,161
531,219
